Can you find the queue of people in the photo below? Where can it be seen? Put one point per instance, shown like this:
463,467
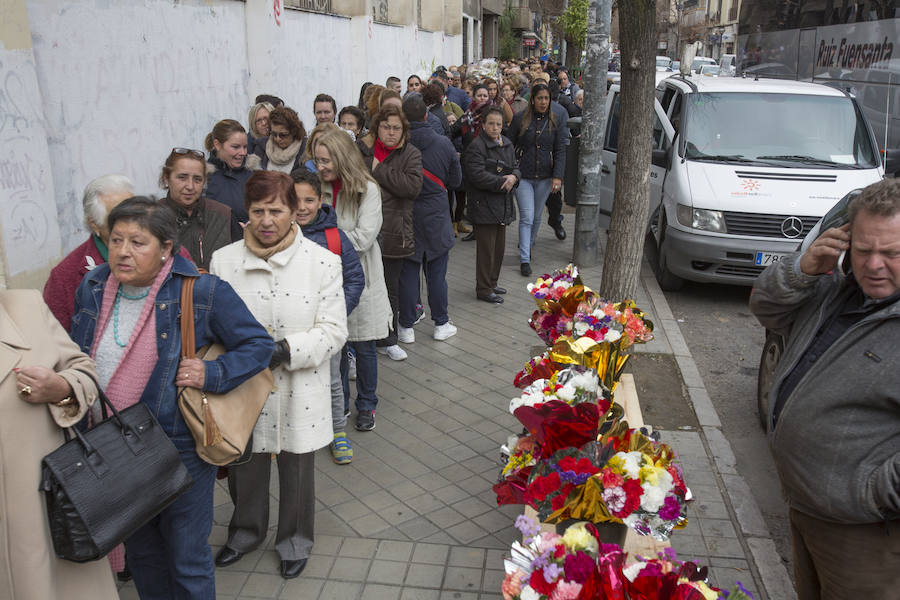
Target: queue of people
307,249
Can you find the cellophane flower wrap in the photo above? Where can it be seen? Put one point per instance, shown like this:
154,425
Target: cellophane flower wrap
551,287
577,566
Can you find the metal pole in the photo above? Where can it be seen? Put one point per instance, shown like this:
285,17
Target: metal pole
562,45
586,251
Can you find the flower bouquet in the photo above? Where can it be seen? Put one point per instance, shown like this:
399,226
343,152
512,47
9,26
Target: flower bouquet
539,367
572,385
551,287
602,332
576,566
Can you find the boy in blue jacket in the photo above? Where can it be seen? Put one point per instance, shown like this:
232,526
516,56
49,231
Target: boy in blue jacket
319,223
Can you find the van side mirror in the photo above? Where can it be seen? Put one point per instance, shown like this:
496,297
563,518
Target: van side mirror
660,158
892,162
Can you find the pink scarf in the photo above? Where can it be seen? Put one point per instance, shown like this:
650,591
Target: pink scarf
139,359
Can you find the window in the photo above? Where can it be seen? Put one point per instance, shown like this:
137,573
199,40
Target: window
319,6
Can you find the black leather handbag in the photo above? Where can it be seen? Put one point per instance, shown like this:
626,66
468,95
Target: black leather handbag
108,481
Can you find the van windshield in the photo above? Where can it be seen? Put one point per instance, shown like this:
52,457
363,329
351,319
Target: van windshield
787,130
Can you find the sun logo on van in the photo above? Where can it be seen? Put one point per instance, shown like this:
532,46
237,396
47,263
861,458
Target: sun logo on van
750,185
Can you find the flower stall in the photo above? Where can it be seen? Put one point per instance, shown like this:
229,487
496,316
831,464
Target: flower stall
586,468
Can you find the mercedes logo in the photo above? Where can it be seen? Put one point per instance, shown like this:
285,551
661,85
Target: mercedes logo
792,227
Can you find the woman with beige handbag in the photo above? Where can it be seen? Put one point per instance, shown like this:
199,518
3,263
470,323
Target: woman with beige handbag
294,287
127,318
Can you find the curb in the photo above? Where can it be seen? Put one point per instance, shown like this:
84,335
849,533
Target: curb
759,544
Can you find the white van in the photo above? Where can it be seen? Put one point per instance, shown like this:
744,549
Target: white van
753,166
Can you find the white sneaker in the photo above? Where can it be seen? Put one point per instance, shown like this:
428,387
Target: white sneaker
442,332
394,352
407,335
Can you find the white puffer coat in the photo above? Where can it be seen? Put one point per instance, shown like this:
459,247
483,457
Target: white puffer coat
371,319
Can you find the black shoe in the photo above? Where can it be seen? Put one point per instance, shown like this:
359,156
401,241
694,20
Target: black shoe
125,574
469,237
365,420
492,298
560,231
292,568
525,269
499,290
227,556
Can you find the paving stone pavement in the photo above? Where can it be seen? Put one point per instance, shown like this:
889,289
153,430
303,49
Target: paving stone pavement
413,517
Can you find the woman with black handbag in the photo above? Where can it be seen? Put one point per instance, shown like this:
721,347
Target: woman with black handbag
45,384
490,174
127,318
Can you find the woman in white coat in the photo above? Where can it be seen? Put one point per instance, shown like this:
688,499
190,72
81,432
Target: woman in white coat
351,190
294,288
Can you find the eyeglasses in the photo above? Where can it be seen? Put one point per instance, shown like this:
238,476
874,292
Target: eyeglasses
280,134
262,120
188,151
323,162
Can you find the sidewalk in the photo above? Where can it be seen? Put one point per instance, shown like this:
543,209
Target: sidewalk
413,517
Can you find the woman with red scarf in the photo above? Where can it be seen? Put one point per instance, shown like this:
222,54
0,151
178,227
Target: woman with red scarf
397,167
469,127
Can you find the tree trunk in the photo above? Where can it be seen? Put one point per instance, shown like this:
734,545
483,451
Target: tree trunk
625,244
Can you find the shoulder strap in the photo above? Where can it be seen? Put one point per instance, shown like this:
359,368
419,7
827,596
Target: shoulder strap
433,178
333,239
188,341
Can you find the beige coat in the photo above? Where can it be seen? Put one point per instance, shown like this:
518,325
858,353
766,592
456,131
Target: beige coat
297,295
371,319
29,336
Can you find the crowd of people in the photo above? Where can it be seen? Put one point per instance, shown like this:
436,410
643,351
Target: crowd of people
307,247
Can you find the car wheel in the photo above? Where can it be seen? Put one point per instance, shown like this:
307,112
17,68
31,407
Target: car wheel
668,281
768,362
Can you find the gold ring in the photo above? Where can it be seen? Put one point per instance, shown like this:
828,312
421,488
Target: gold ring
26,390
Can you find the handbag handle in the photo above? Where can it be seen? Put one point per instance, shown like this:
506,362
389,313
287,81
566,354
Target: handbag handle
104,403
188,339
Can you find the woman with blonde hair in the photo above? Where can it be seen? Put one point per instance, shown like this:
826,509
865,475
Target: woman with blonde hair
258,124
309,161
351,190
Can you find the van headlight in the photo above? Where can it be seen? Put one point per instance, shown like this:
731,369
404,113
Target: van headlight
701,218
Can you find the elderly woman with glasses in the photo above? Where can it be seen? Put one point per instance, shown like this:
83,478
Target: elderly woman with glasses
127,319
204,225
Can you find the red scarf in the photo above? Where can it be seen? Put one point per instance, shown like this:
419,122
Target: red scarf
336,186
381,151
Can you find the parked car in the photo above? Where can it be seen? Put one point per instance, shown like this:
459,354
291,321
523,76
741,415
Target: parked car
699,61
663,63
726,65
741,170
709,70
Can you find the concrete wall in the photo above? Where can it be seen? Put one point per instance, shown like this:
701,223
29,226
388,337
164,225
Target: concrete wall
111,87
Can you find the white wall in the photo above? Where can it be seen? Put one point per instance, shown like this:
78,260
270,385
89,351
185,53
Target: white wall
121,83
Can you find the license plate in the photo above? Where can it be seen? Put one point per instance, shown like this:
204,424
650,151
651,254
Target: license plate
765,259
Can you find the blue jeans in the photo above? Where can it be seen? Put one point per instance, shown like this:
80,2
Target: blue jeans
170,557
435,279
531,195
366,376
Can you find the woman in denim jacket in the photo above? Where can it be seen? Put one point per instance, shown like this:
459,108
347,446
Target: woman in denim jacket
127,318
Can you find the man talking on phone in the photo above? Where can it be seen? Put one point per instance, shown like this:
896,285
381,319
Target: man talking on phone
834,408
